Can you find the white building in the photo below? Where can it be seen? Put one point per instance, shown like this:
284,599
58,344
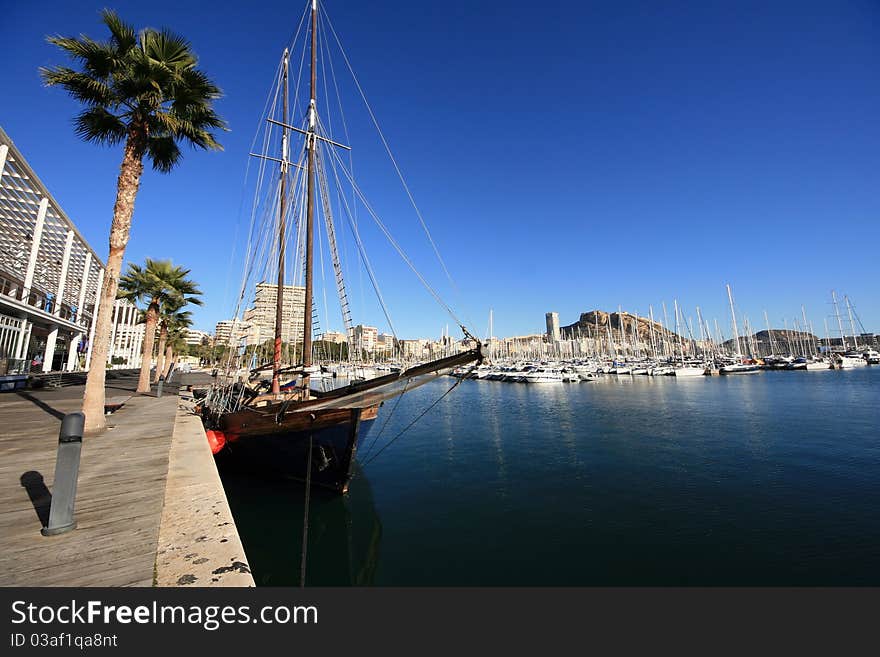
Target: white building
337,337
261,316
553,326
194,337
364,338
385,344
230,331
126,336
50,278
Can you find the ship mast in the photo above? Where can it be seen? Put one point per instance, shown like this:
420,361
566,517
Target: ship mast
282,211
852,325
839,322
733,320
311,144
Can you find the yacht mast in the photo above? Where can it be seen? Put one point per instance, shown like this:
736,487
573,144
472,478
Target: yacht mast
770,335
311,144
678,331
827,337
703,339
733,317
839,322
282,212
809,339
852,325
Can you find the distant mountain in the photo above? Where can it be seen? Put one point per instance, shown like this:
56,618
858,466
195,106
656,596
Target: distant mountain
590,322
785,340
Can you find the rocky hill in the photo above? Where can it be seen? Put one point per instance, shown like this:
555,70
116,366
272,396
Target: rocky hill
589,322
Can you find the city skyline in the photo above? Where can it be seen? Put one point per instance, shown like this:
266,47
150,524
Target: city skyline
743,153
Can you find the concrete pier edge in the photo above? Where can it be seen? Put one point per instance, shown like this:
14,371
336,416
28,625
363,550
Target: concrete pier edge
198,543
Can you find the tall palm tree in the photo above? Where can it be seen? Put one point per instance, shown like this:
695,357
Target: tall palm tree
160,285
144,90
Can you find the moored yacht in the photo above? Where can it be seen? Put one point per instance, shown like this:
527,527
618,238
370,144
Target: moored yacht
690,370
741,368
543,375
849,361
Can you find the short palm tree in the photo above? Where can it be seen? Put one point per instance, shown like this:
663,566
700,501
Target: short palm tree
159,285
177,334
172,323
143,90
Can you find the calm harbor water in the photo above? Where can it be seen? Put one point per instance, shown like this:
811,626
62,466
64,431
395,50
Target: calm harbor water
766,479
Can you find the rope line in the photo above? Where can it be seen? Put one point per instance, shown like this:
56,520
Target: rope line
305,542
397,246
390,154
387,419
410,425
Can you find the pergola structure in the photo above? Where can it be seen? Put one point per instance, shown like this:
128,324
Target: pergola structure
50,278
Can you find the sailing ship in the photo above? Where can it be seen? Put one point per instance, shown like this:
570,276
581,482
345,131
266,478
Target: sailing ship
285,427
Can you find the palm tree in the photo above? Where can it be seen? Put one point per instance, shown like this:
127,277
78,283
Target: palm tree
173,323
177,334
160,285
168,309
143,90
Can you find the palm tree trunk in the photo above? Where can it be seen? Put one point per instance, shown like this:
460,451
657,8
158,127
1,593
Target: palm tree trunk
126,191
160,354
152,318
169,355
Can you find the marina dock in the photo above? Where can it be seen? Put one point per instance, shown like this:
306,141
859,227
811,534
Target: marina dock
150,508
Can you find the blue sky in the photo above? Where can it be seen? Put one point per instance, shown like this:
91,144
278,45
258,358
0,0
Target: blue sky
566,155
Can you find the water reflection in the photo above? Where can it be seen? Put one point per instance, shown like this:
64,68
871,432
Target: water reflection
345,532
770,479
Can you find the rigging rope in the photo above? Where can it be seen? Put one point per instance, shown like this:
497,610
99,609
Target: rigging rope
409,426
305,537
387,419
361,250
388,150
400,250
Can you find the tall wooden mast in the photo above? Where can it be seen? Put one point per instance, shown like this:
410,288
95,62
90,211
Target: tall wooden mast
310,200
282,212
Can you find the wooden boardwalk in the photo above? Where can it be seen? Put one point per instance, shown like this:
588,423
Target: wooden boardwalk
120,493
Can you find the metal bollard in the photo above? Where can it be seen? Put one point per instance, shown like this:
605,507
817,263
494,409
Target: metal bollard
66,473
159,388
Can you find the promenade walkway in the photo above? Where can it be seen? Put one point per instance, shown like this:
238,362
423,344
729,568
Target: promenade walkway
121,492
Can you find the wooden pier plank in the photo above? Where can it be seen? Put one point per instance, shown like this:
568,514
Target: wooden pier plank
120,493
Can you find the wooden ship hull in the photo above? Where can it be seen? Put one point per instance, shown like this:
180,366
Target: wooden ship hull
253,441
271,436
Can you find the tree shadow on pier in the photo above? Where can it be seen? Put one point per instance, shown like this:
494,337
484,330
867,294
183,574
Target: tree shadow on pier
43,405
40,496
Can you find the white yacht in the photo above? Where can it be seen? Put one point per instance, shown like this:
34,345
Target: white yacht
848,361
689,370
543,375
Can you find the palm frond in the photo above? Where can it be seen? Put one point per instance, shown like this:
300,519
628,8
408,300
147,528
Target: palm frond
82,86
121,33
97,58
169,48
164,153
99,125
195,88
145,85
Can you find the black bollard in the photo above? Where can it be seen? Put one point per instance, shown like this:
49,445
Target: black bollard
159,388
66,473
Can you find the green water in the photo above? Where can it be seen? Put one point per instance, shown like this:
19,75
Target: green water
767,479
